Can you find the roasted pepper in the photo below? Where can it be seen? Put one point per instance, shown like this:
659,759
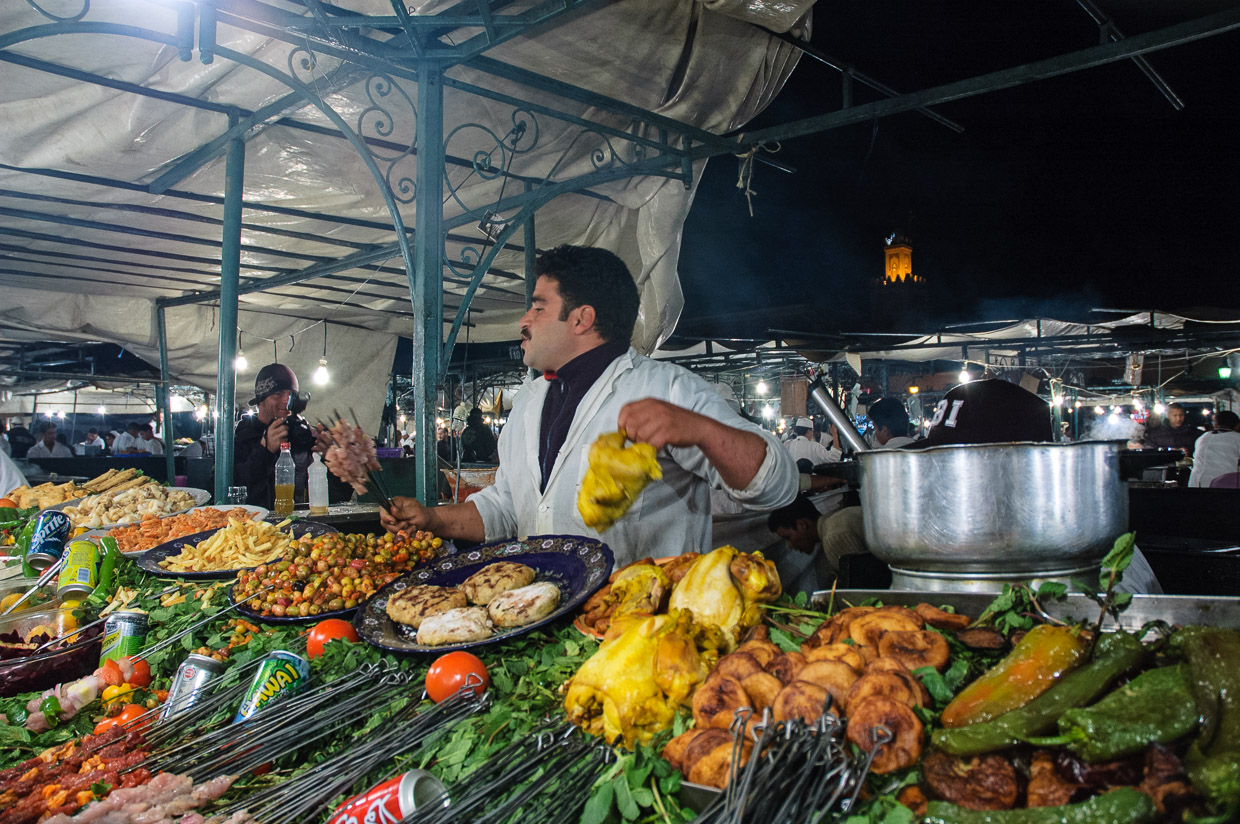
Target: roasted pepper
1042,656
1114,654
1123,806
1213,760
1155,707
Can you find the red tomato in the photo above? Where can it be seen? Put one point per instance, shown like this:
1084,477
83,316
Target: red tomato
110,674
452,672
141,673
104,725
329,630
132,712
6,503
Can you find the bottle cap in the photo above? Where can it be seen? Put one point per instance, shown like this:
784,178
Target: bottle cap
285,445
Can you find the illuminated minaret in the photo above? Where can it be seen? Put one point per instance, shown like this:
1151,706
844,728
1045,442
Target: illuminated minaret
898,260
898,299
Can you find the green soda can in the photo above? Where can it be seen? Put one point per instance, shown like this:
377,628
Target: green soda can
80,572
281,674
124,633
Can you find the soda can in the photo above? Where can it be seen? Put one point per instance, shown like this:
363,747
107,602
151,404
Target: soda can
280,674
187,685
124,633
47,541
80,572
393,800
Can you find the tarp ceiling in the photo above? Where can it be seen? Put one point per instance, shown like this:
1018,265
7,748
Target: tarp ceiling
85,262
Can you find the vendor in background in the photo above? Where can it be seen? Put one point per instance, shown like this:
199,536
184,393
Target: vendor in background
803,447
20,440
1174,432
129,442
577,334
477,439
147,442
1217,451
10,476
256,444
93,444
891,423
48,446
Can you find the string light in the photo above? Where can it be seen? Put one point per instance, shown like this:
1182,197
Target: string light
1098,410
913,390
1059,400
1159,409
768,412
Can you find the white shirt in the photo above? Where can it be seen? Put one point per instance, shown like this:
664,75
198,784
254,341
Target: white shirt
125,442
194,450
897,442
59,450
802,447
5,447
1217,453
10,476
670,516
155,446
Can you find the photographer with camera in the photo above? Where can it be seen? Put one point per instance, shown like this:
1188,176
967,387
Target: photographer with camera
256,444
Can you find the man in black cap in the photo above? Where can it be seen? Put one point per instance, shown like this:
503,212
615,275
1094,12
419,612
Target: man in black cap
256,444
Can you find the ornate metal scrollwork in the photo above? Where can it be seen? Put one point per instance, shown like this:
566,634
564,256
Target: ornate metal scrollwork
61,18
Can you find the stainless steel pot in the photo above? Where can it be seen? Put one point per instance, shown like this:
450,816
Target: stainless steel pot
993,511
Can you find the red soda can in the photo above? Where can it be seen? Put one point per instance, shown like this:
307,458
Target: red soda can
391,801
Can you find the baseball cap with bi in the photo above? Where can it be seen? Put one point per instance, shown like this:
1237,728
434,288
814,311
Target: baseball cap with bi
273,378
988,411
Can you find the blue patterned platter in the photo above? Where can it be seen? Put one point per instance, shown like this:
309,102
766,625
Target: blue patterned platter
150,559
577,565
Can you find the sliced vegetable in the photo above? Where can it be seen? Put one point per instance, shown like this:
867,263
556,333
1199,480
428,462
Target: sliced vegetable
110,673
1127,805
116,695
1042,657
141,676
50,707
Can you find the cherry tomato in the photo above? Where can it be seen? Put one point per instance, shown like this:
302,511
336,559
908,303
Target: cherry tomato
141,673
329,630
451,672
132,712
6,503
104,725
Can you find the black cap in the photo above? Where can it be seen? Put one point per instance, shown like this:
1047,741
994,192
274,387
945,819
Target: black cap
988,411
273,378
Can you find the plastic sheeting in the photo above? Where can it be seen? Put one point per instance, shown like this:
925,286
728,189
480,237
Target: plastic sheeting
677,58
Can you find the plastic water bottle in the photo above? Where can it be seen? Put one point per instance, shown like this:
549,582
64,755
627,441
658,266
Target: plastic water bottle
318,486
286,475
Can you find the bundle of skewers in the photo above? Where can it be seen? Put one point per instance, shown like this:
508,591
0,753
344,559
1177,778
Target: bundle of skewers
351,458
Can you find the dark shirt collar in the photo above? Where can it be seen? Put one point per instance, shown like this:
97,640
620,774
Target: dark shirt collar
583,370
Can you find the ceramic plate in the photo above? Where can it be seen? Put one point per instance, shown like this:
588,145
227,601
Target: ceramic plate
200,496
578,566
259,514
150,559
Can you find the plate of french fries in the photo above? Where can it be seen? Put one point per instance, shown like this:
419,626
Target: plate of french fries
222,553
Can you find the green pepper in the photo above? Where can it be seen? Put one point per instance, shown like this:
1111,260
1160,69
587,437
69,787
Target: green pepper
1123,806
107,567
1114,654
1155,707
23,545
1213,760
50,707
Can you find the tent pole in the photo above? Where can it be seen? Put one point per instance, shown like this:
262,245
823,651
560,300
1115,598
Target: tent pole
427,285
531,254
230,269
165,404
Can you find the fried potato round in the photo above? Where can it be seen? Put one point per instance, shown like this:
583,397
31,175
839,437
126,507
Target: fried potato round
869,628
700,745
893,666
674,750
880,684
913,798
876,713
762,651
986,782
834,676
716,702
916,648
737,666
786,665
940,619
837,652
982,638
762,689
868,654
835,628
715,768
800,699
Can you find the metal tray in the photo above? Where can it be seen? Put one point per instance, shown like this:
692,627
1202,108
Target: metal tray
1210,610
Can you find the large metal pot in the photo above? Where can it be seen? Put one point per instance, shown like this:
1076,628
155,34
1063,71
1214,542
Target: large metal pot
993,512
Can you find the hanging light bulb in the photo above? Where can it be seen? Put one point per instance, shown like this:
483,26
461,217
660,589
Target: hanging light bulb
1059,400
768,412
1159,409
1098,410
761,388
103,410
965,377
320,376
241,364
1076,404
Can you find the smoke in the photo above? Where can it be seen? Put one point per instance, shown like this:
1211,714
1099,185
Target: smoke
1114,428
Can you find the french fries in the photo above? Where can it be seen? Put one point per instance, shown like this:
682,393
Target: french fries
239,545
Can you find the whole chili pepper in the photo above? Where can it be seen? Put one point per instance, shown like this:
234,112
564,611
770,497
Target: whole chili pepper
1042,656
1114,654
1155,707
1213,760
1123,806
50,707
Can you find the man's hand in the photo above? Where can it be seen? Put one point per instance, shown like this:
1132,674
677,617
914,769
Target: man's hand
445,521
661,424
277,433
407,515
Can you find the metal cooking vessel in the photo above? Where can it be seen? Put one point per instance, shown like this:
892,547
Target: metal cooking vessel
993,511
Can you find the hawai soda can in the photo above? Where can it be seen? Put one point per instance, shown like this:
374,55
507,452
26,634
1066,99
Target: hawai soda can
124,634
280,675
393,800
187,685
80,572
47,541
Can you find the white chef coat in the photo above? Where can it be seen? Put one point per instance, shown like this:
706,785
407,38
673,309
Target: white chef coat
802,447
155,446
896,442
41,451
125,441
670,516
1216,453
10,476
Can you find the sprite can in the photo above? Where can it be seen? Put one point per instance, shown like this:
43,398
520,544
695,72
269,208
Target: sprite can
47,542
80,572
280,675
124,634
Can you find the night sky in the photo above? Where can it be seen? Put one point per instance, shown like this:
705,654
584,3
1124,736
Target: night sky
1083,191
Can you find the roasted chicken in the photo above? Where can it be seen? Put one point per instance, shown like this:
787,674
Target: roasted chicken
616,476
723,592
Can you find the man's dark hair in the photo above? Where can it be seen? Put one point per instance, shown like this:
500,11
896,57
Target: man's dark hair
1178,406
588,276
786,517
1226,420
92,431
46,425
134,425
890,413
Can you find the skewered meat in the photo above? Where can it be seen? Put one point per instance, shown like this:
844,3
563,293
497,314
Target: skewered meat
715,703
868,629
802,700
835,628
835,677
738,666
763,651
882,684
351,457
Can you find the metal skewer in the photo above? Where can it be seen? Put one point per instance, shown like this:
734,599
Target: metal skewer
43,580
151,650
59,638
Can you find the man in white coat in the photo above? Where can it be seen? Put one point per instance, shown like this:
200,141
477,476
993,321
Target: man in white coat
576,333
